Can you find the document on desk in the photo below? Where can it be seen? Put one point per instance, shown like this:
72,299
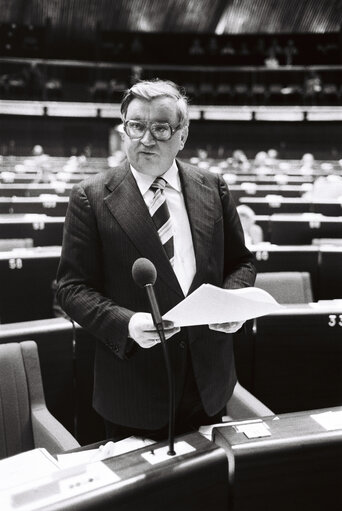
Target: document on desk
210,304
26,467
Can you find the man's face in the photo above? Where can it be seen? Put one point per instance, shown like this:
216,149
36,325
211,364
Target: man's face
147,155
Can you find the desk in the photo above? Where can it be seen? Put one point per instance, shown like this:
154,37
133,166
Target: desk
34,189
195,481
276,204
26,283
51,206
302,229
42,229
274,258
330,275
295,358
299,466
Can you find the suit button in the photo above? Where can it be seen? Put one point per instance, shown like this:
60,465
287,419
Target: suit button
181,344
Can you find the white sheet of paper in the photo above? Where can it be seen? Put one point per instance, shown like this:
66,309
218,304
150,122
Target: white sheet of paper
26,467
210,304
330,421
103,452
256,430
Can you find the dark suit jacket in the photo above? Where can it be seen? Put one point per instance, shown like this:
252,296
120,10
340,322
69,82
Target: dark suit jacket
107,228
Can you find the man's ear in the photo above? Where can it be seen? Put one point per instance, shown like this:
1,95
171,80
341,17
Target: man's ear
184,136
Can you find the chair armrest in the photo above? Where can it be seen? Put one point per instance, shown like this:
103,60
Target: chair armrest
49,433
243,405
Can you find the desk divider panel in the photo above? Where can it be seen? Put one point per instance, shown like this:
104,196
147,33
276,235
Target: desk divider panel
298,230
276,258
294,463
276,204
26,292
330,281
51,206
42,229
298,359
34,189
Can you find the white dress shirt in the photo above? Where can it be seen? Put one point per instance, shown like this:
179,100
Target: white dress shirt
184,259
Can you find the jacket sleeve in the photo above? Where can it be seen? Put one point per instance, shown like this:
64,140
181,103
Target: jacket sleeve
80,278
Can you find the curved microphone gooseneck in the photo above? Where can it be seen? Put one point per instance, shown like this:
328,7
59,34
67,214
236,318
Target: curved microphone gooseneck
144,275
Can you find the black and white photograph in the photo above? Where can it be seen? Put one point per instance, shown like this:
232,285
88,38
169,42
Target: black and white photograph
170,255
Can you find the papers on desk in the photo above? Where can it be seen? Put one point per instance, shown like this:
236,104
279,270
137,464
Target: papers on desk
210,304
330,420
25,467
105,451
32,480
334,304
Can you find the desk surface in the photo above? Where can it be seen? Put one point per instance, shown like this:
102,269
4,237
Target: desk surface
298,466
196,481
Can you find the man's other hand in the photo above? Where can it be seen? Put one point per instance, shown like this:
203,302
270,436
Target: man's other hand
142,330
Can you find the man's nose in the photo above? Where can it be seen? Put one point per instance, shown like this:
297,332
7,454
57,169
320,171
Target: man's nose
147,139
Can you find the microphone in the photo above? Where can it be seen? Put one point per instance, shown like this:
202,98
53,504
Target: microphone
144,274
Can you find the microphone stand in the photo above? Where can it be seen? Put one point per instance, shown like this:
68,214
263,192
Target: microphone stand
158,323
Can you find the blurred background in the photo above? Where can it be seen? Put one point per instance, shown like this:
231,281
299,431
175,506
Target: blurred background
259,75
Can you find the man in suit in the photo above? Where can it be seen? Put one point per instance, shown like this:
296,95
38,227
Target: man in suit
110,223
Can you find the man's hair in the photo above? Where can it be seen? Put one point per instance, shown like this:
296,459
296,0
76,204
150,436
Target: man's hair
151,89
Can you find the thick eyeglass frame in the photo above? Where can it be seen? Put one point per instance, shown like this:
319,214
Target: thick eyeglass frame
149,126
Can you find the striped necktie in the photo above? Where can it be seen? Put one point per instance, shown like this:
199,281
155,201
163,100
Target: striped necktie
161,217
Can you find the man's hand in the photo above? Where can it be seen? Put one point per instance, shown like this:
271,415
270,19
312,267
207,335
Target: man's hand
227,328
142,330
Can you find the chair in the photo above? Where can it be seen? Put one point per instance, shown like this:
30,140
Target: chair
25,421
286,286
243,405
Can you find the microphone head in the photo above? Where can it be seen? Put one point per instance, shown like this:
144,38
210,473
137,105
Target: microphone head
144,272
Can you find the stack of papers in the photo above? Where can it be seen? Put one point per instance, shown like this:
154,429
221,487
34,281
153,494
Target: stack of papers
210,304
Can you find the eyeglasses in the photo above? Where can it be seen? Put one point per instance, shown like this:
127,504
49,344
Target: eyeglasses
162,131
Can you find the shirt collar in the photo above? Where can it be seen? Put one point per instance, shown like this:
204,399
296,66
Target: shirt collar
144,181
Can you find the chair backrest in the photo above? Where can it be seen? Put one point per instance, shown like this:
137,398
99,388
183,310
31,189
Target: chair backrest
286,286
15,415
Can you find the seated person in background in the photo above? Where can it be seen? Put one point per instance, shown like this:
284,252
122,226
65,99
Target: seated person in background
240,161
260,163
40,163
326,187
117,155
272,158
307,163
253,232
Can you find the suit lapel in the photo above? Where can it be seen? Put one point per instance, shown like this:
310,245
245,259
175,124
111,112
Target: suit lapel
127,205
200,207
